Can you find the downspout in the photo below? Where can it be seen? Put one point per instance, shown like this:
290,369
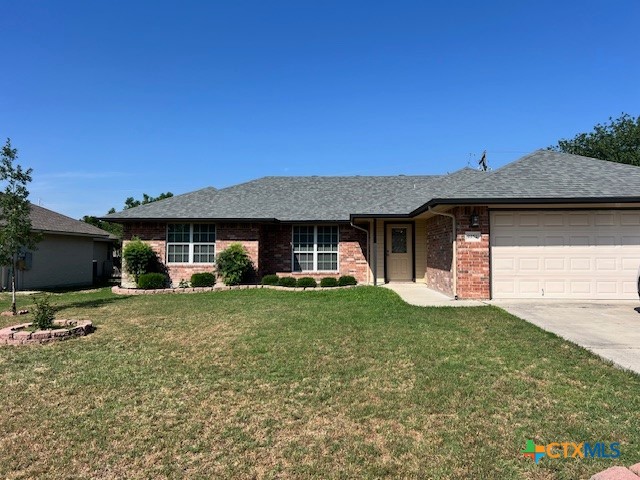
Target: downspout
367,232
454,243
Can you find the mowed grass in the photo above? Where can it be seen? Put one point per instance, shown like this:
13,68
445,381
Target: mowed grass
335,384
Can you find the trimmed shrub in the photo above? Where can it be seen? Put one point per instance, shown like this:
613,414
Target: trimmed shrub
270,280
234,264
43,313
205,279
151,281
139,258
287,282
345,280
306,282
329,282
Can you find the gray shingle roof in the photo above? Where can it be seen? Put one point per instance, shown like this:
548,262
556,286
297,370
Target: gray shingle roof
45,220
299,198
548,174
541,174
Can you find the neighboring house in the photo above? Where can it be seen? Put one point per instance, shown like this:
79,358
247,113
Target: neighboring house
71,253
547,225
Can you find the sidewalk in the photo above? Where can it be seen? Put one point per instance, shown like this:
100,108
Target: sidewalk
419,295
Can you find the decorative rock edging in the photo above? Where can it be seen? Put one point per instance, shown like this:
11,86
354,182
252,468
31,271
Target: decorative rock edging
15,335
619,473
9,313
221,288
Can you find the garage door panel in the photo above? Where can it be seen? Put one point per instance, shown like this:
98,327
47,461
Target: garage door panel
579,220
630,218
581,287
555,287
562,254
580,264
557,264
605,219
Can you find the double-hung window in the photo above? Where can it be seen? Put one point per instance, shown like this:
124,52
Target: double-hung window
191,243
315,248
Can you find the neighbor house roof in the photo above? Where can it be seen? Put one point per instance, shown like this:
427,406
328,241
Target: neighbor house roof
48,221
540,175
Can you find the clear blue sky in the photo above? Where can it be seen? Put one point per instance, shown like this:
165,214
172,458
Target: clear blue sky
110,99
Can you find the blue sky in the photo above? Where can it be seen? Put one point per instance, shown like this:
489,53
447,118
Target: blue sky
111,99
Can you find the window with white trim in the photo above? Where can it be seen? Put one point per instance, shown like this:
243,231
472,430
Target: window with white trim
315,248
191,243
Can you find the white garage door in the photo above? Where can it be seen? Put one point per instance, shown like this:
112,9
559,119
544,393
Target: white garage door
565,254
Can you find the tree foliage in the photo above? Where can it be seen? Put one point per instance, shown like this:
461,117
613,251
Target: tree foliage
15,211
113,228
130,202
138,257
616,141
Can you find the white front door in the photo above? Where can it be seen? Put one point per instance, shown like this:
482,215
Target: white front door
399,253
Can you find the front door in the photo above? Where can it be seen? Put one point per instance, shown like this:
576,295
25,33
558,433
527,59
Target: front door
399,253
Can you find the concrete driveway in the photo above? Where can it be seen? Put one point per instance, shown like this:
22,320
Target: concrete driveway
610,329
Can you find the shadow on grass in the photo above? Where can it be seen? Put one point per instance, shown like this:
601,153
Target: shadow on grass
92,303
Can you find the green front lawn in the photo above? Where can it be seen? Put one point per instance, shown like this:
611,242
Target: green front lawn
335,384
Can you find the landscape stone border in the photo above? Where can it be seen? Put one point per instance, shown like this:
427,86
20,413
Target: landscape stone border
16,335
159,291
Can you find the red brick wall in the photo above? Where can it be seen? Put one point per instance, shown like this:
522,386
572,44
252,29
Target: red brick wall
247,234
269,247
275,255
473,275
155,234
353,253
275,251
439,273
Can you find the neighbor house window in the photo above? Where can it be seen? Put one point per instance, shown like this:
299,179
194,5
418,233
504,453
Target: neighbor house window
315,248
191,243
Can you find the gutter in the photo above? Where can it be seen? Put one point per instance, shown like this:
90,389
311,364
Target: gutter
368,259
454,244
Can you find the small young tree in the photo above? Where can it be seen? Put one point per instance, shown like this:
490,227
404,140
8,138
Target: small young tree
15,209
138,258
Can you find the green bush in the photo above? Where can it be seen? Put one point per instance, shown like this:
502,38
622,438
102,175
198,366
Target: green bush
270,280
345,280
43,313
205,279
151,281
306,282
138,257
329,282
287,282
234,264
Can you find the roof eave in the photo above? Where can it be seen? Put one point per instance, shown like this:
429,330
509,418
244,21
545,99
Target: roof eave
520,200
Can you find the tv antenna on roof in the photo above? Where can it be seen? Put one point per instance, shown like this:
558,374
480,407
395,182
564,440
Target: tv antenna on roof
482,164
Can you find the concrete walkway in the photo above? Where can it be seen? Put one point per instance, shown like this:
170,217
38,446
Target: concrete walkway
418,294
608,328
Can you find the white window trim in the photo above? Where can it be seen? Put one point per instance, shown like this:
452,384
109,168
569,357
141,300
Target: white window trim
315,249
190,244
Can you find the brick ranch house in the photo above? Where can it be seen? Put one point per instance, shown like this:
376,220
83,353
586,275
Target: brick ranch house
547,225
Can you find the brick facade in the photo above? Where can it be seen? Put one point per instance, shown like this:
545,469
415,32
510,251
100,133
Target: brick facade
439,274
268,246
473,259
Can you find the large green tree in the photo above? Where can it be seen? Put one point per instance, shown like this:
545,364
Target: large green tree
130,202
616,141
15,209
